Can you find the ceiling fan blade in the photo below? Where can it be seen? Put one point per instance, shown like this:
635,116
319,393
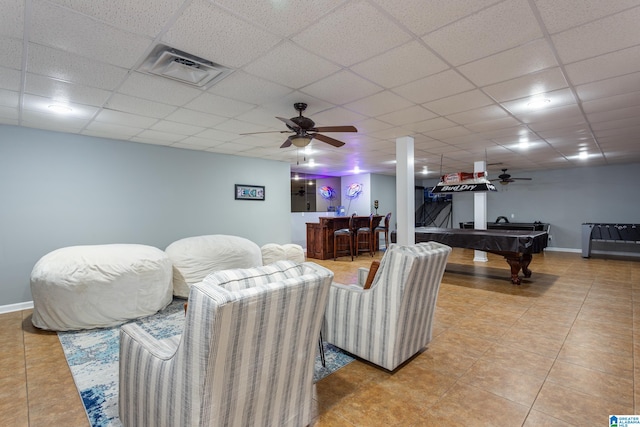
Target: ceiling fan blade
328,140
289,123
523,179
287,143
335,129
269,131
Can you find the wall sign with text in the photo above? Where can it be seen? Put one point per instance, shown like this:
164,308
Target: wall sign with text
249,192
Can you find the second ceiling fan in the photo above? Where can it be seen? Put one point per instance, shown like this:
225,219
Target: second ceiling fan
504,178
305,130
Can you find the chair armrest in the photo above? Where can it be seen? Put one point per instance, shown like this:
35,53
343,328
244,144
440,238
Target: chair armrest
346,288
363,273
160,349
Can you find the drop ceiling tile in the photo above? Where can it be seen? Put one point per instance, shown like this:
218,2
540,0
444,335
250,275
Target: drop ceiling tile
151,141
380,103
205,30
629,122
60,28
560,127
284,107
513,63
41,105
490,125
341,88
503,26
12,19
218,135
529,85
454,132
239,127
73,68
176,128
430,125
566,112
185,146
9,98
130,104
622,113
556,99
608,87
195,118
199,142
139,16
158,89
32,117
352,33
9,115
291,66
65,92
631,99
262,117
245,87
434,87
10,79
125,119
599,37
605,66
401,65
422,18
338,117
372,125
458,103
155,135
562,15
490,112
111,130
284,18
10,53
391,134
412,114
218,105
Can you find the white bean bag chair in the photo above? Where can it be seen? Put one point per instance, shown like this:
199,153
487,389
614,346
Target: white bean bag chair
196,257
97,286
272,252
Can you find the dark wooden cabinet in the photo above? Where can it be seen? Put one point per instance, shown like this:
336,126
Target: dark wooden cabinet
320,234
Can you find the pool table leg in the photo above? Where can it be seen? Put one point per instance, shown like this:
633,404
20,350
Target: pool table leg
518,262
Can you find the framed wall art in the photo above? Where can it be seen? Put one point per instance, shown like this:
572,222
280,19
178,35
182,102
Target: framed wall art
249,192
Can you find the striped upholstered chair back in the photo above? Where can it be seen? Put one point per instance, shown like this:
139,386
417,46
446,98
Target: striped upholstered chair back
392,320
245,358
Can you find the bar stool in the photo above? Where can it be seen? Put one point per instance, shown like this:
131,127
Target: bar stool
383,229
364,238
340,235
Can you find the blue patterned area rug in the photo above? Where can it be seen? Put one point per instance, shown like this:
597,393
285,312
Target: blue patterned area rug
93,358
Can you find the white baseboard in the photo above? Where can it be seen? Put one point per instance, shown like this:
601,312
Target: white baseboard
554,249
16,307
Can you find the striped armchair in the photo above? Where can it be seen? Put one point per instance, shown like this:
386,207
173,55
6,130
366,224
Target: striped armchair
392,320
245,357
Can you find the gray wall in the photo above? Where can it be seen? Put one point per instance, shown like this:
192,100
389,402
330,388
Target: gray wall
59,190
565,198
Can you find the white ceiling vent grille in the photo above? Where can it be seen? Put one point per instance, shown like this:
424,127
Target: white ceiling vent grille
183,67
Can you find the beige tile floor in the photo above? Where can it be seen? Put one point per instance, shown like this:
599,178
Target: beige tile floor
559,350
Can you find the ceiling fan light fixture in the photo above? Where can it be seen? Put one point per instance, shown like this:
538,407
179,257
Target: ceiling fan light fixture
301,141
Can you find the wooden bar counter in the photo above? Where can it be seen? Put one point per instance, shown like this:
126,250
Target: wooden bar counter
320,234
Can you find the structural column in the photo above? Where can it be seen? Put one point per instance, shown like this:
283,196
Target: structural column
405,191
480,211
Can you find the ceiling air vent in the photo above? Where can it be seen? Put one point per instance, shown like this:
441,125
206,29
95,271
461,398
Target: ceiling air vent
183,67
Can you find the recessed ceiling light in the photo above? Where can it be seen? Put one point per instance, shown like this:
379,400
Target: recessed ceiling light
538,103
583,155
60,109
425,171
356,170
